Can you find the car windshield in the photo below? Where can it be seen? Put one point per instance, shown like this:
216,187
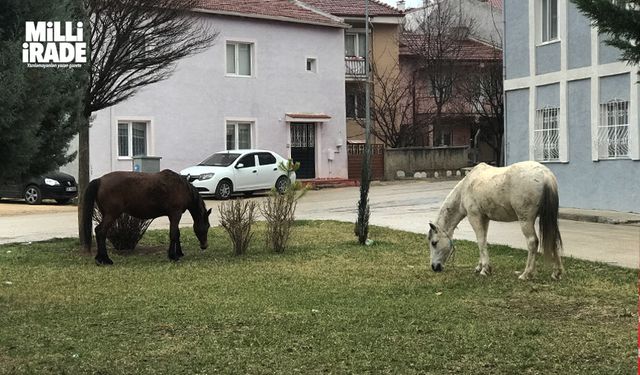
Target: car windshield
223,159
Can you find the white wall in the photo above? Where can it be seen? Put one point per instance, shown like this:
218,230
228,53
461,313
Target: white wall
188,111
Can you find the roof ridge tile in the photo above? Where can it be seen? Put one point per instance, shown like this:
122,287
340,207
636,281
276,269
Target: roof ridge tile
279,10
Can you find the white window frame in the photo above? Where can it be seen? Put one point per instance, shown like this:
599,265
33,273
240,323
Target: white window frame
544,134
358,33
235,122
442,134
358,107
542,17
149,47
148,135
252,59
610,120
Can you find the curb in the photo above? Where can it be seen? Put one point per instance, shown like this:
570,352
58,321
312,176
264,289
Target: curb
600,219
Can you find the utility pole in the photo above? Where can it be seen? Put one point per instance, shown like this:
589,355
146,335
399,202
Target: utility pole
362,224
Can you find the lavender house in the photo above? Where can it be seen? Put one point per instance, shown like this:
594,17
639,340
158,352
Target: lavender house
274,79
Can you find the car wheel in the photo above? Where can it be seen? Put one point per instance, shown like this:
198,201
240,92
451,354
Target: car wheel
282,184
32,195
63,201
224,189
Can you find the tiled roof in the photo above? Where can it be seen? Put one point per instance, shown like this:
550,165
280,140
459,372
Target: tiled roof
279,10
470,49
495,3
354,8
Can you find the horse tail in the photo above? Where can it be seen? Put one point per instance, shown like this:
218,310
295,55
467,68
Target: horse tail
548,212
90,195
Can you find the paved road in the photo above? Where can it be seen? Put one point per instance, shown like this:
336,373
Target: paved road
408,206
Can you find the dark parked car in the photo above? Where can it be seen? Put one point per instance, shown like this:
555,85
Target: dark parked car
54,185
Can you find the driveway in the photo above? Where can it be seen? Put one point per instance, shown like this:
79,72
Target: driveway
407,206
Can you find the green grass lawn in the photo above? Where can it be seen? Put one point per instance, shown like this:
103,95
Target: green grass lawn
326,305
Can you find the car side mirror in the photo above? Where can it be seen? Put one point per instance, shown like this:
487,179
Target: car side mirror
239,165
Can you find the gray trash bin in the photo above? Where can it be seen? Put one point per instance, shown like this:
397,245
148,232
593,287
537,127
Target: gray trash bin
148,164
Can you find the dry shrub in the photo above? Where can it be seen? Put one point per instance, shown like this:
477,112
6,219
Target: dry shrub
237,217
279,210
126,232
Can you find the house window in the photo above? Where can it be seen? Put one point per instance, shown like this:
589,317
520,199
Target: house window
549,18
613,130
238,135
132,138
240,59
355,45
442,137
356,105
312,65
546,135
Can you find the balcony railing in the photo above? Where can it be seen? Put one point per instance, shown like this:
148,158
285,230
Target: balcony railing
355,67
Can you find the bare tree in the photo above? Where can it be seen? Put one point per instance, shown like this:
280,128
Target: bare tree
435,40
133,43
394,108
482,92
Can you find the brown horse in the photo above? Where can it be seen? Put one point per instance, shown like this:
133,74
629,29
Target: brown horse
145,196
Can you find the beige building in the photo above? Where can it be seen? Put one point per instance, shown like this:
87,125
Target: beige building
386,23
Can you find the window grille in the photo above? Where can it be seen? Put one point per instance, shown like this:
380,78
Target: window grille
546,135
303,135
613,130
359,148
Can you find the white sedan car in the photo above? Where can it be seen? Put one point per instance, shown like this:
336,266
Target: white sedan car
224,173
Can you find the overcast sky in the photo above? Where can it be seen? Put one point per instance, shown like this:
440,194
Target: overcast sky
409,3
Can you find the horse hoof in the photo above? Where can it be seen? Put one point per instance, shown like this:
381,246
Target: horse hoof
524,276
484,272
556,275
478,268
104,262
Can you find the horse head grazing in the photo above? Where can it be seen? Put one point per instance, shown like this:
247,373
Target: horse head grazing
200,216
440,246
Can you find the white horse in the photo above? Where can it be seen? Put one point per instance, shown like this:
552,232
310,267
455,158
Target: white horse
522,192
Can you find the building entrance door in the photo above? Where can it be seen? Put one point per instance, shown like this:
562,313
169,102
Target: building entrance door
303,148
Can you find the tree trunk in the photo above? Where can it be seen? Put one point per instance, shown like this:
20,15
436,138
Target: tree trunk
83,173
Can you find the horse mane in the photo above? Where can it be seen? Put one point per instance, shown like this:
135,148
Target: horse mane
196,200
449,214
